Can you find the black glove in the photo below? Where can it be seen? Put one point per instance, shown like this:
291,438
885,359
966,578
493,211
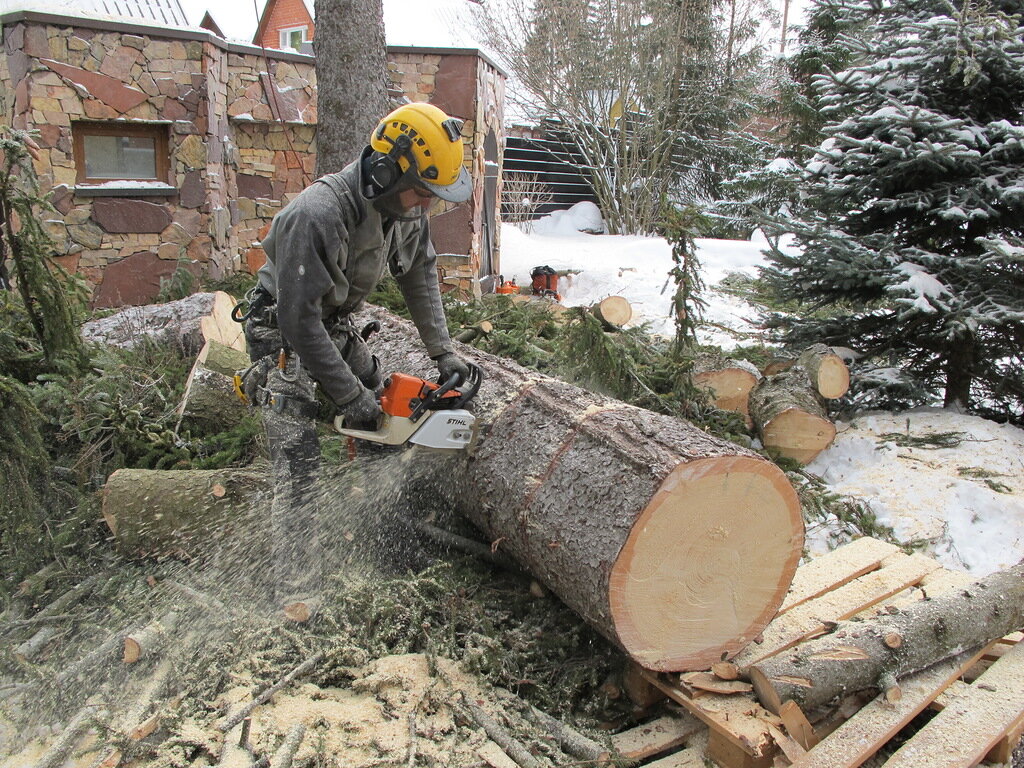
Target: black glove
449,364
361,413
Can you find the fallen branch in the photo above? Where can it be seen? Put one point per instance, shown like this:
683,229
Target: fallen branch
264,697
469,546
498,735
58,752
286,752
571,741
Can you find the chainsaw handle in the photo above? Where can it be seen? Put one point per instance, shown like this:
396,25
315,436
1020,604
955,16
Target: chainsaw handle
435,400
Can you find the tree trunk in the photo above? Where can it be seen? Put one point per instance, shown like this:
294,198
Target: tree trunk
959,372
352,79
730,381
826,370
210,401
874,653
789,416
169,511
188,323
679,547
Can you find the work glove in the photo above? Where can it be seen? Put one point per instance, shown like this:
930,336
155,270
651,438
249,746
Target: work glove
362,412
449,364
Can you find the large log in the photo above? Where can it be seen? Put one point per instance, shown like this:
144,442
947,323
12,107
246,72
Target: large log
860,655
790,417
168,511
678,546
188,323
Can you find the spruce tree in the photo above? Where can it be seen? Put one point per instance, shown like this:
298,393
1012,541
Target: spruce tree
910,214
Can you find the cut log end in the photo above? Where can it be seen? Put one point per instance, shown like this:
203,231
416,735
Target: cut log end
707,563
799,435
833,377
614,311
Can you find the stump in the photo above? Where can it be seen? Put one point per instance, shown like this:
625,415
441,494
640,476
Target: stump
613,312
678,546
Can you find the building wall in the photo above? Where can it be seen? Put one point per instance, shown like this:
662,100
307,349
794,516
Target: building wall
241,144
285,14
228,174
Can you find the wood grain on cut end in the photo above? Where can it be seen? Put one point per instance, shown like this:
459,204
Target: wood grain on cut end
616,311
730,387
799,435
707,563
833,377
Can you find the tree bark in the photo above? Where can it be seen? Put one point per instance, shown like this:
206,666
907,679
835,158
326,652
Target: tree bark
352,79
169,511
679,547
863,655
826,370
789,416
188,323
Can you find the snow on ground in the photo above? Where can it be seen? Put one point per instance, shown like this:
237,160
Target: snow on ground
634,267
967,500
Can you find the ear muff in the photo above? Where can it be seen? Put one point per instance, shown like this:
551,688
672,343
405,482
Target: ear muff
385,171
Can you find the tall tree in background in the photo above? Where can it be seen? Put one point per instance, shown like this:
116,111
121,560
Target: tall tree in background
351,71
646,91
910,215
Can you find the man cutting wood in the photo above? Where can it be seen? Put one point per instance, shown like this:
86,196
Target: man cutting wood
326,251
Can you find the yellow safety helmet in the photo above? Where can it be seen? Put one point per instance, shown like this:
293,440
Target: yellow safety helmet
422,137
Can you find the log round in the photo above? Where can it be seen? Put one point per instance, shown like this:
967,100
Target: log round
678,546
730,381
613,311
826,370
789,416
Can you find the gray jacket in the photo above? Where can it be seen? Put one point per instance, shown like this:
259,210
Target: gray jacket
326,251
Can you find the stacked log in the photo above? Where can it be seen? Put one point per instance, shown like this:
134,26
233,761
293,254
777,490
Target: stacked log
676,545
730,382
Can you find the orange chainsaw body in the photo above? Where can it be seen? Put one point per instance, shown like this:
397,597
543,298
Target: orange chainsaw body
403,392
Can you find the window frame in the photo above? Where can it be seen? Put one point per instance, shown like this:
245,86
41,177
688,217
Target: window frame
157,131
287,31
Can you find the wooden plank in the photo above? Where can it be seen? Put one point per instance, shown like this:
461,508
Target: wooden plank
838,567
656,736
933,584
691,757
738,719
972,724
808,619
798,726
859,738
1002,752
727,755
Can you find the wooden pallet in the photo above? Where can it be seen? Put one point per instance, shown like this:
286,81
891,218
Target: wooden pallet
981,695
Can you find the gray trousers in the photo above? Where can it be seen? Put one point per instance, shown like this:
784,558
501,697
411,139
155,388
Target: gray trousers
298,557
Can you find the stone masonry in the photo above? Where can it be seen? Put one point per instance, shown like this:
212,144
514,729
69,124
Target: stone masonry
241,130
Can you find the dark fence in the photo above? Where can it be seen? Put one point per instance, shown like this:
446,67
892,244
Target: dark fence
545,170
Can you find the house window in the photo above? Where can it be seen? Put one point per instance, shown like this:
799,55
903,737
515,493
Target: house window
120,152
293,37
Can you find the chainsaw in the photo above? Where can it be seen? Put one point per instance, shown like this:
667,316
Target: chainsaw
421,412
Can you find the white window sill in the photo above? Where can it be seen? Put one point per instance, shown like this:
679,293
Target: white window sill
125,189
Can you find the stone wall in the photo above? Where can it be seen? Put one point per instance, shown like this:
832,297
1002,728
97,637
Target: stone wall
227,174
241,144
